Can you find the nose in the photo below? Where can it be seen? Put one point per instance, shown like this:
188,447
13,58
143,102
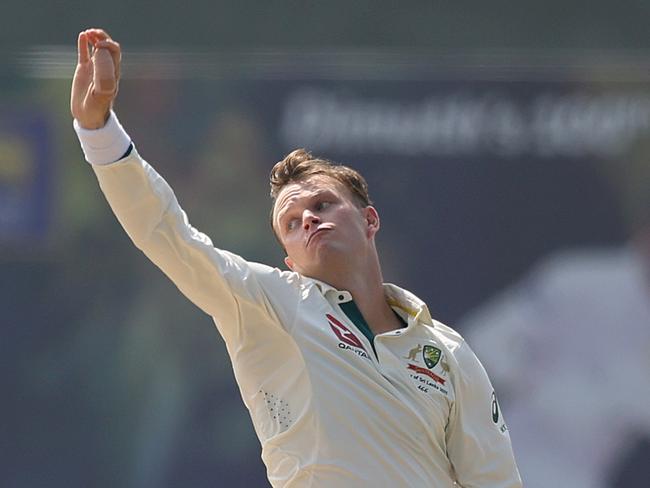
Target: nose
309,219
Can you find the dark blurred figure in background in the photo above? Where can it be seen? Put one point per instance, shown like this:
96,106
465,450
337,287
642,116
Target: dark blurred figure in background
568,347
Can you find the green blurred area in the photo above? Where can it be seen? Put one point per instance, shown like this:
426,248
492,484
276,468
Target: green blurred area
550,24
110,377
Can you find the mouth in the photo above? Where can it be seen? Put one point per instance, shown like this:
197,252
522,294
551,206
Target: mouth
315,233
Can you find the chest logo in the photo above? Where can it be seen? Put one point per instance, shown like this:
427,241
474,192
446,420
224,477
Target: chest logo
431,356
426,372
426,380
412,356
344,334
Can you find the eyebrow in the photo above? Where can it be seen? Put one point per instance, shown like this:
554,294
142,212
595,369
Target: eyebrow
316,193
281,214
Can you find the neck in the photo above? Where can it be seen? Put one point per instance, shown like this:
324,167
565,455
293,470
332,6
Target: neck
373,306
365,284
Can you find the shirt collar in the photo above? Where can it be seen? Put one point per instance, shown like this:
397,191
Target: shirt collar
396,297
406,301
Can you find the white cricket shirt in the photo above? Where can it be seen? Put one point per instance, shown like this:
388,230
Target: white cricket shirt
331,411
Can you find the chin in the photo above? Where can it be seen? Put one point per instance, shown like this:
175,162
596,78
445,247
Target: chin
326,270
326,260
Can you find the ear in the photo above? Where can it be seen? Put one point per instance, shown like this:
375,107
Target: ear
289,262
372,220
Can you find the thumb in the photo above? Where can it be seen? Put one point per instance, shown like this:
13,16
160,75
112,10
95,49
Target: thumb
104,81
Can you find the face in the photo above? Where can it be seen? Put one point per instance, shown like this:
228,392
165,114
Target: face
321,227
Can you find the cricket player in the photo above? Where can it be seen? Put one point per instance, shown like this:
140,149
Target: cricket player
349,381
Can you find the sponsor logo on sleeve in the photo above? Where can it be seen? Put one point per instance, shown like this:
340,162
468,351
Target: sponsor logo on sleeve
496,414
495,408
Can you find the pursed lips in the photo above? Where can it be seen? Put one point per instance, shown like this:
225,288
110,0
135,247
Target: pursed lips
317,231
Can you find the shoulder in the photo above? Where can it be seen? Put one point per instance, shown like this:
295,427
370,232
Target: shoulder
461,363
447,336
460,355
279,281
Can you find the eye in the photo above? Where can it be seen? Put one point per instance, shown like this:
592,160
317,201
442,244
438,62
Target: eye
291,224
322,205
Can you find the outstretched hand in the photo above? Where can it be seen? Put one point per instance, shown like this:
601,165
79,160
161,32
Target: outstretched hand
96,79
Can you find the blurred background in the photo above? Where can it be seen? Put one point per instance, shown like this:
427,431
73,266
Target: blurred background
507,149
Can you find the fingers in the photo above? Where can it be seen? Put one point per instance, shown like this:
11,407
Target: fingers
116,53
94,85
97,35
99,39
105,83
113,47
109,44
83,48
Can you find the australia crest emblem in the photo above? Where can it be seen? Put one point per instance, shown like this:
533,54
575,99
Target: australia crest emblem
431,356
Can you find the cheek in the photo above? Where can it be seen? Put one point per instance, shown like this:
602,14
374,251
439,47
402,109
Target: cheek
352,221
292,246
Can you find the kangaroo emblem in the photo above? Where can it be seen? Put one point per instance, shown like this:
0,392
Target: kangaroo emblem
414,352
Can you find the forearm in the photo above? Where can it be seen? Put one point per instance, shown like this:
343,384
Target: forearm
148,210
139,197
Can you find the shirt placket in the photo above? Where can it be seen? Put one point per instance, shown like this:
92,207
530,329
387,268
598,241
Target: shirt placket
343,297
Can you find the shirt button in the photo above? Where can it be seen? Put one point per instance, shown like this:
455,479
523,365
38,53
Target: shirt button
341,297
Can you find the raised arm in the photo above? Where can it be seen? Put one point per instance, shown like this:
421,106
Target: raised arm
219,282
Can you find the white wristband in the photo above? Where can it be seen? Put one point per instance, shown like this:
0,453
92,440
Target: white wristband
105,145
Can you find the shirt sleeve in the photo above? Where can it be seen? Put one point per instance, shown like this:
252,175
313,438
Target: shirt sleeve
104,145
222,284
478,442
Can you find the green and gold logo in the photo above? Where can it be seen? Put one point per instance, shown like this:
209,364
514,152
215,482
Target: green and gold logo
431,356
